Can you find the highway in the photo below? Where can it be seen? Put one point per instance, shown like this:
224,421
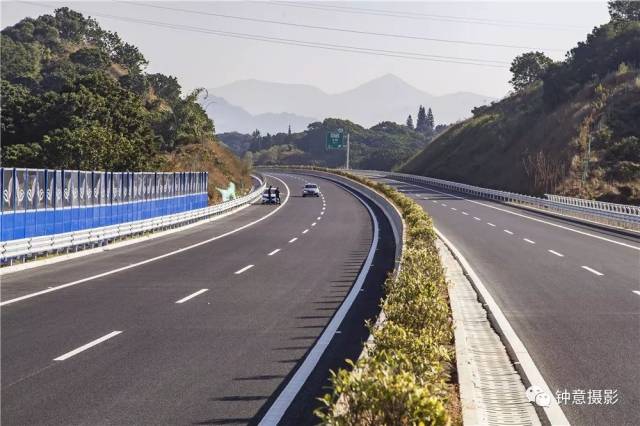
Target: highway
202,326
570,291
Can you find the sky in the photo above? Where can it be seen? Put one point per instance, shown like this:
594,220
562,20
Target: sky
181,42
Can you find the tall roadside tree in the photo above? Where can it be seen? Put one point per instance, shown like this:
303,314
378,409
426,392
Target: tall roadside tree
421,124
410,122
624,10
430,121
527,68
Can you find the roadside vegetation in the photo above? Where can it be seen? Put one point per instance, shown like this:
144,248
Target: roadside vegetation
382,147
76,96
406,375
570,127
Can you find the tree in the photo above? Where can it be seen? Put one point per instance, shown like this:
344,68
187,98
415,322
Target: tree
421,124
624,10
289,131
430,121
410,122
527,68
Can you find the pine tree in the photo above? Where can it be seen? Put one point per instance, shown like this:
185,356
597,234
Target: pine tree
421,124
289,131
430,121
410,122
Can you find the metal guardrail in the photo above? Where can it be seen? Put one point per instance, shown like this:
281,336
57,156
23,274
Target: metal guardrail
29,247
619,215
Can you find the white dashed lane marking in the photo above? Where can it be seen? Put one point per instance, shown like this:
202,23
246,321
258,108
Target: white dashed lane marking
508,232
636,292
477,218
246,268
465,213
556,253
593,271
273,252
87,346
305,231
529,241
293,239
454,209
491,224
191,296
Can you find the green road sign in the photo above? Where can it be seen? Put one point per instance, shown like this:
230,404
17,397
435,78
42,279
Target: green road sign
335,140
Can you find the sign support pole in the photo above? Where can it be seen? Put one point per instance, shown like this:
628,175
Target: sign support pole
347,151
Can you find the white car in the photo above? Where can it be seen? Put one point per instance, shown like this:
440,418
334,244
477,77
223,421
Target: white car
311,189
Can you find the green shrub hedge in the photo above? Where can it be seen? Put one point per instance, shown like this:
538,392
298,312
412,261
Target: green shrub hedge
405,378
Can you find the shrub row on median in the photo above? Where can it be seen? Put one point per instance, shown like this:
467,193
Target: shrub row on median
405,376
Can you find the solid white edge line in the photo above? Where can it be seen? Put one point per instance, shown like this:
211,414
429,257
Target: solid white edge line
283,401
529,241
556,253
153,259
87,346
593,271
524,216
293,239
246,268
191,296
273,252
553,411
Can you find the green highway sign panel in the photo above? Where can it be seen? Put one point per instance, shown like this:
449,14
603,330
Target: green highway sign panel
335,140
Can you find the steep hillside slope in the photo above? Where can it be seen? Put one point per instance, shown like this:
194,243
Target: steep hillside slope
76,96
576,132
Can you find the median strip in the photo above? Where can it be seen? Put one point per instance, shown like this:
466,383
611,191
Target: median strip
87,346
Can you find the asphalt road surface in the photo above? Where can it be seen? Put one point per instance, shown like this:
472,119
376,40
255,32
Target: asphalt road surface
203,326
571,293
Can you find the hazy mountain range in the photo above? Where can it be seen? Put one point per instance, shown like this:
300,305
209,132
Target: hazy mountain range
270,107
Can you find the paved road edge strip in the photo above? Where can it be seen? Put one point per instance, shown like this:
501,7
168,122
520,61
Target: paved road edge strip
288,394
517,350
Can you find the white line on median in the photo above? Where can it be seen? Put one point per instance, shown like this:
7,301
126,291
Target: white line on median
153,259
508,232
529,241
491,224
593,271
191,296
293,239
305,231
87,346
246,268
273,252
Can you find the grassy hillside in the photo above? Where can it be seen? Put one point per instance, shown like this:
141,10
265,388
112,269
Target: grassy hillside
381,147
76,96
576,132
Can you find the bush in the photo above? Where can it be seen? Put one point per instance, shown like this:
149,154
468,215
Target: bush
405,376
